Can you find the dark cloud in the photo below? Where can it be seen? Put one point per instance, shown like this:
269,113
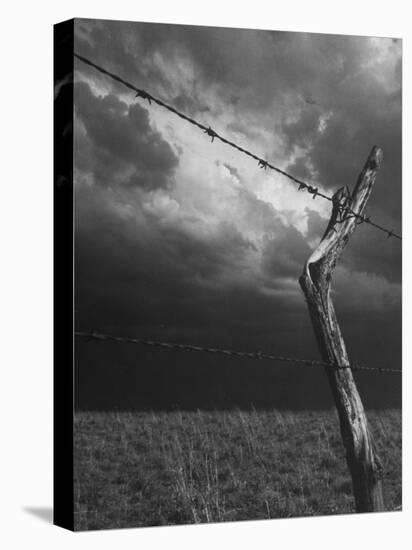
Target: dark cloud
133,271
120,145
338,153
359,111
369,253
284,256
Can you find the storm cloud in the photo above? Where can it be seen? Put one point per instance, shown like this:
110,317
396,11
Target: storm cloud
180,239
116,145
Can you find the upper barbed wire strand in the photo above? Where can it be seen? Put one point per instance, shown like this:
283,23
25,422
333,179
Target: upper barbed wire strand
262,163
94,335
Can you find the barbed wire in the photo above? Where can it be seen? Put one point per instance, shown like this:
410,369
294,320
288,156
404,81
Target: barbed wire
262,163
94,335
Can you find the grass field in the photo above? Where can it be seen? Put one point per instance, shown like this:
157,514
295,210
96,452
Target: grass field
139,469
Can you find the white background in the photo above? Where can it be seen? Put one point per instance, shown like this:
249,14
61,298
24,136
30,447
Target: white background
26,273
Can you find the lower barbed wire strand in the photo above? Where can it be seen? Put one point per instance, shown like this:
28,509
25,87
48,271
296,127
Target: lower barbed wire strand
93,335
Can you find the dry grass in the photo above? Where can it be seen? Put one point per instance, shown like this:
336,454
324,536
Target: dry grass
141,469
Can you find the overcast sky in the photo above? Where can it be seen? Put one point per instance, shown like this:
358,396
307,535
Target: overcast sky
183,240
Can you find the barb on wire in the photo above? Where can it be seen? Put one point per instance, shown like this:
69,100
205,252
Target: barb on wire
144,95
213,135
94,335
313,190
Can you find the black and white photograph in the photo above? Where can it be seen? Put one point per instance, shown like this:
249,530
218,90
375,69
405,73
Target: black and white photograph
237,306
205,307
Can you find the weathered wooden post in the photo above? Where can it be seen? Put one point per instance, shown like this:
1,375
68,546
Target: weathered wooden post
363,462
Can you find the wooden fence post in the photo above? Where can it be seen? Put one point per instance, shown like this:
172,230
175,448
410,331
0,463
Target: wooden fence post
363,461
